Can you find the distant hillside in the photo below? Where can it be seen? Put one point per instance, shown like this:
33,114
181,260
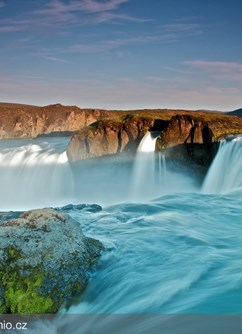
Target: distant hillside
237,112
26,121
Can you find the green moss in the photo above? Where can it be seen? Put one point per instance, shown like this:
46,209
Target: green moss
22,294
13,253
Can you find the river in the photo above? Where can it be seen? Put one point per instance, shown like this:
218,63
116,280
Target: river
176,251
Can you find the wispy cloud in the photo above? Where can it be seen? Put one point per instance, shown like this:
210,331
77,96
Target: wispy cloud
183,29
14,25
56,59
215,65
9,28
218,69
107,45
55,7
2,4
177,27
91,11
58,14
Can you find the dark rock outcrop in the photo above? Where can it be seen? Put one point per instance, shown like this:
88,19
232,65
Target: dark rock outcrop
181,134
187,138
108,137
184,130
45,260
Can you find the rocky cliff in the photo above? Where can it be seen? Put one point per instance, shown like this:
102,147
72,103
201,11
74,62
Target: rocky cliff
177,130
25,121
108,137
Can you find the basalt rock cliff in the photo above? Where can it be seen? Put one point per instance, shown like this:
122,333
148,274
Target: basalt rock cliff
108,137
193,134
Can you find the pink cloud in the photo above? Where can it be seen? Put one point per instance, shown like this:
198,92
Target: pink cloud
215,65
58,13
60,10
219,69
176,27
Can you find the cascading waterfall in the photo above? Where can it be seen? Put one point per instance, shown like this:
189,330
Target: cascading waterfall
147,176
161,168
225,173
34,174
147,143
151,177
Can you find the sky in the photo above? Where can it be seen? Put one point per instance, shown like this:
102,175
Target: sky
122,54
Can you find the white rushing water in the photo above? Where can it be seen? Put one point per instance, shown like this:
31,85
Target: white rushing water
144,176
147,143
151,177
179,254
225,173
35,173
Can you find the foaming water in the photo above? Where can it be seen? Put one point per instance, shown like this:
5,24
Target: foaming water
225,173
179,254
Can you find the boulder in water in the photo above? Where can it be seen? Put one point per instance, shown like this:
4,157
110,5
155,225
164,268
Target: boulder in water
45,260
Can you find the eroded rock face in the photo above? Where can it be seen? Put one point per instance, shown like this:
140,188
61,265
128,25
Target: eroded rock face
105,138
185,130
183,135
45,260
108,137
23,121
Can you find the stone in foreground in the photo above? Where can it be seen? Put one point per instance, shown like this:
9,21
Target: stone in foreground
45,260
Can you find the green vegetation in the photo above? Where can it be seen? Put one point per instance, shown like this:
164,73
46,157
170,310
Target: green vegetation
22,294
223,133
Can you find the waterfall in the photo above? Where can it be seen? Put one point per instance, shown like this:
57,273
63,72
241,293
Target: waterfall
148,171
34,174
147,143
225,173
161,168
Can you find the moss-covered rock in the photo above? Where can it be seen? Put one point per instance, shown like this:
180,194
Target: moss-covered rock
45,260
